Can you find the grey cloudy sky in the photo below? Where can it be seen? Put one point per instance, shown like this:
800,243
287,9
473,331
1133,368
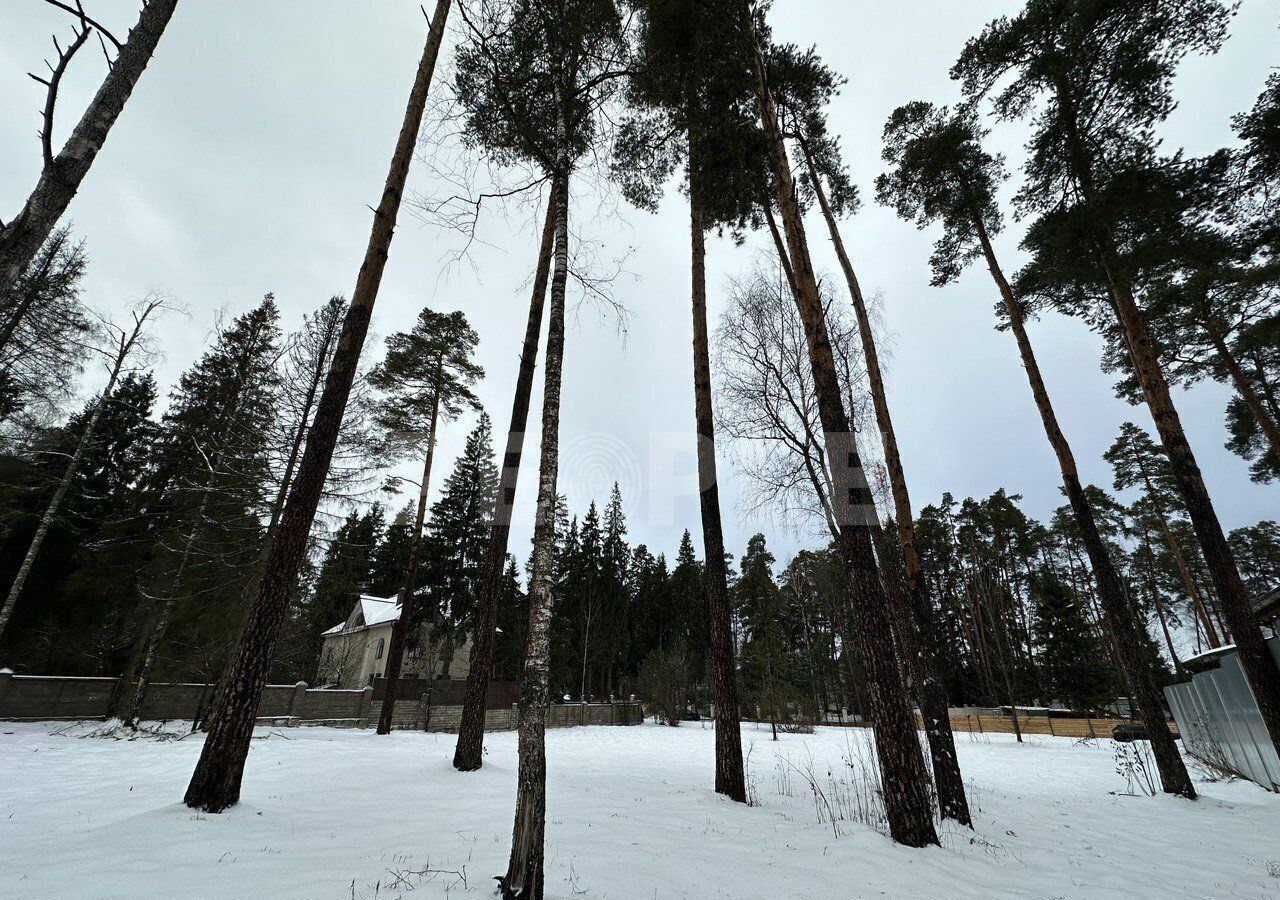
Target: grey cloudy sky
259,135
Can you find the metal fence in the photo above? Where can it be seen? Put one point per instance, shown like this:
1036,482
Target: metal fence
1220,722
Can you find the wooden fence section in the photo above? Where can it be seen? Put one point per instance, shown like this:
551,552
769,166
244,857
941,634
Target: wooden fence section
1056,726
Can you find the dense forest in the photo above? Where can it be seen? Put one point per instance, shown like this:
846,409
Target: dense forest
138,533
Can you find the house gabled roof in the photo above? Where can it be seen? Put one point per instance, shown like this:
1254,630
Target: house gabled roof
367,612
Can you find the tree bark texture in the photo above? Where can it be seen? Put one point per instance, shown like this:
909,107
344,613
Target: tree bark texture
524,878
215,784
729,779
468,755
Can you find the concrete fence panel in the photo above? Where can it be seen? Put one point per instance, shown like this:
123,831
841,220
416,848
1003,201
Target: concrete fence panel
40,698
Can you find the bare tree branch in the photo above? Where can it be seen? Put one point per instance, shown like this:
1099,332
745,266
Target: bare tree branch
78,12
51,84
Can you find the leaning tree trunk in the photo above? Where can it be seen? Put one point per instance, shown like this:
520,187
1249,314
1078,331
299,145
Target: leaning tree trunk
21,305
400,629
215,784
22,238
468,755
1180,560
59,495
729,779
903,774
140,677
524,878
1259,666
920,640
1121,622
1158,603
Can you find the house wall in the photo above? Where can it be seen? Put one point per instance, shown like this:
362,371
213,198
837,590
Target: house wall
40,698
351,660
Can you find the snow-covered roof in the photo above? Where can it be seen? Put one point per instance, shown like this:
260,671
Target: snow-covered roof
376,610
367,612
1211,653
1208,659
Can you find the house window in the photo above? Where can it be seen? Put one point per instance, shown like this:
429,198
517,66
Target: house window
382,643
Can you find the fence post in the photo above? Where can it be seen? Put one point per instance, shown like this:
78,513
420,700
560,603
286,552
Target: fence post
1049,718
298,690
366,701
6,677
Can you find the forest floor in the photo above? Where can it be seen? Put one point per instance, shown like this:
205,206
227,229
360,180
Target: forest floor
336,814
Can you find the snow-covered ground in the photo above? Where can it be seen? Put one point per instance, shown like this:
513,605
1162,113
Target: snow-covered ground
332,814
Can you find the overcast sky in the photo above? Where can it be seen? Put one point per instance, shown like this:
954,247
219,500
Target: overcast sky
257,139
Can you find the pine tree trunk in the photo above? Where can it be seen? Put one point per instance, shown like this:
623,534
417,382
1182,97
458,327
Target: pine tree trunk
140,678
22,238
1158,603
215,784
903,775
524,878
468,755
1259,667
400,628
295,446
1197,600
920,638
729,779
1120,618
59,495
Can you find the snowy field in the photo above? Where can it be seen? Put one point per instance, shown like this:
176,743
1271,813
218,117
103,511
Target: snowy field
331,814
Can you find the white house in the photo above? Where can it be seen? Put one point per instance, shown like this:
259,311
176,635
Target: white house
354,652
